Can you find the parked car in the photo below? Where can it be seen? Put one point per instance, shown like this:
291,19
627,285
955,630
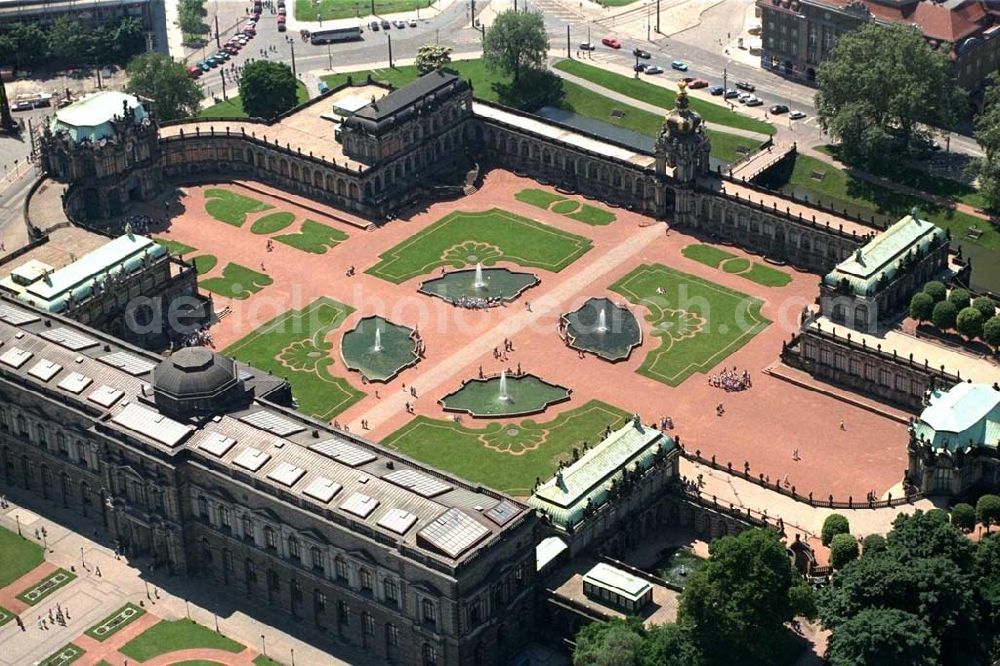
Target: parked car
413,23
282,12
282,26
587,46
679,65
745,85
385,24
754,101
611,42
698,83
778,109
194,71
796,115
743,97
399,23
716,90
639,53
373,26
223,56
212,61
731,93
654,69
640,66
204,66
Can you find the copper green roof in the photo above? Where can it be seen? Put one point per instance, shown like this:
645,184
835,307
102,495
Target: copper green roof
966,415
564,496
884,254
89,119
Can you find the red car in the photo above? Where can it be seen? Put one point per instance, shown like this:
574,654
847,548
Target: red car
194,72
611,42
698,83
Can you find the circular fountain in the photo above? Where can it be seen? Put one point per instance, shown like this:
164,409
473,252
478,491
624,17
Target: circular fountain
602,328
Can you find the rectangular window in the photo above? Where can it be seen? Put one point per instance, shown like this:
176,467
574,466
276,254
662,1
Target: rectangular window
368,624
269,539
391,635
247,528
343,613
390,591
317,559
341,568
427,613
366,580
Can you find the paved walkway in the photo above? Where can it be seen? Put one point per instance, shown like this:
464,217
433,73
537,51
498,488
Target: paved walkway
761,161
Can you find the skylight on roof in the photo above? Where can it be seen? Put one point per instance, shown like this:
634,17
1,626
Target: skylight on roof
68,338
360,505
273,423
503,512
15,357
322,489
216,444
16,316
286,474
75,382
344,452
453,533
45,369
422,484
151,424
105,396
397,520
251,459
128,362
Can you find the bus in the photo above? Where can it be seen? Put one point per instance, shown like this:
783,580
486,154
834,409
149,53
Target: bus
335,35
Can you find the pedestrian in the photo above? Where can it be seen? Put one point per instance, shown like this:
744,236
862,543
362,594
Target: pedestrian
98,570
795,455
842,427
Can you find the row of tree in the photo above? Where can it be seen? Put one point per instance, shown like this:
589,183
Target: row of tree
67,42
973,318
923,595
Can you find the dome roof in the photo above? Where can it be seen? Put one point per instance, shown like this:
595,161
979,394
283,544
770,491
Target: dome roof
682,120
195,380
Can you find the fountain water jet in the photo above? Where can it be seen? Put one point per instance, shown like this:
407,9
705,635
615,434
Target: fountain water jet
504,396
378,340
602,321
479,282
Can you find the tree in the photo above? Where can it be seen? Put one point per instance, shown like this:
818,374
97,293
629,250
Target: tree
985,306
921,306
843,549
736,605
944,314
803,601
986,169
432,57
988,510
516,41
969,322
268,89
963,516
883,637
833,525
885,105
166,82
960,298
985,172
936,290
616,642
669,645
927,534
991,332
68,43
872,544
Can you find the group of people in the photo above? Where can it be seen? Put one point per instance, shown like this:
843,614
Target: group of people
138,224
731,380
666,423
479,302
199,338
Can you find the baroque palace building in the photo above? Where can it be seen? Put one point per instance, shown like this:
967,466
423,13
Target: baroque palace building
197,462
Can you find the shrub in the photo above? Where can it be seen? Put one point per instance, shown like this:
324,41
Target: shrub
969,323
833,525
843,549
991,332
944,315
988,510
959,298
985,306
873,543
936,290
921,306
963,516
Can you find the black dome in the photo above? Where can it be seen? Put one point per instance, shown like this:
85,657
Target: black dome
195,380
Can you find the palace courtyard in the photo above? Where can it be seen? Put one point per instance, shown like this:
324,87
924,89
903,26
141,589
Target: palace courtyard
290,278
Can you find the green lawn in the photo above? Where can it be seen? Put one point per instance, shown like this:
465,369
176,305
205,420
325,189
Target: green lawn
923,180
230,207
204,263
237,282
489,86
175,248
507,457
262,660
309,10
699,323
5,616
233,107
198,662
489,236
662,97
46,587
313,237
173,635
730,263
271,223
19,556
569,207
808,176
67,654
293,345
115,622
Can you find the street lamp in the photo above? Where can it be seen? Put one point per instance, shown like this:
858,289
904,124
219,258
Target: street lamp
263,645
17,517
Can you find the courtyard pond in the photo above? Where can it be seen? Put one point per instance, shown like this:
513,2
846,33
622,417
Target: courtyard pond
479,287
677,564
379,349
504,396
603,328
